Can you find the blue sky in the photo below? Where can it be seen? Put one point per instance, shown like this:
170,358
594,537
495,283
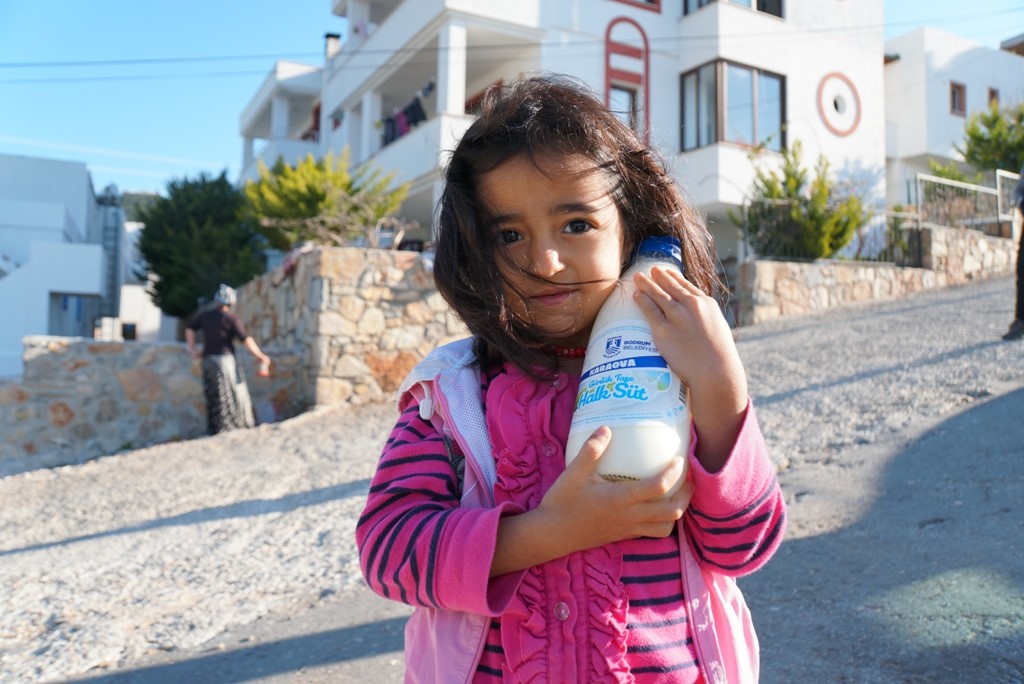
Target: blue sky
145,91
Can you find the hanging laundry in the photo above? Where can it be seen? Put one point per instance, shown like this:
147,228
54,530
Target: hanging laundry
404,119
390,131
414,112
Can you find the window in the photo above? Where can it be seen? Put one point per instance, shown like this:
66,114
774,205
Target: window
993,96
626,74
653,5
622,101
700,124
727,102
958,99
773,7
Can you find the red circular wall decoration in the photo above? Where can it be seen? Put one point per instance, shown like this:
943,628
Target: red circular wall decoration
838,104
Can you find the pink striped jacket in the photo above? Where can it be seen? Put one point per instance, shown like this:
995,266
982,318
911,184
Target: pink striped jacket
446,645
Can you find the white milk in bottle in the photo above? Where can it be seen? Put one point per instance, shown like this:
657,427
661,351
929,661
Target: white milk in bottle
626,383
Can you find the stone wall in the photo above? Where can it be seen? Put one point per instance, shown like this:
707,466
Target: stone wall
343,325
81,398
772,289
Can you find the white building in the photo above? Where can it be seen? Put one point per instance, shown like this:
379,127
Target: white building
53,268
68,260
705,80
933,82
138,317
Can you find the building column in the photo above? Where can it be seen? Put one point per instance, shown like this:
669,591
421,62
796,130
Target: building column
451,69
247,144
279,117
371,118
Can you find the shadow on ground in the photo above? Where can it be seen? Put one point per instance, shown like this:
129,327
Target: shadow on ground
929,585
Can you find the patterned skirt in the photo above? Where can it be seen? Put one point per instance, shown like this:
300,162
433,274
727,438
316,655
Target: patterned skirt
228,405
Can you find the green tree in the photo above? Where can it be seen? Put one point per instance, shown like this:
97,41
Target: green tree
194,239
793,214
323,201
952,172
994,138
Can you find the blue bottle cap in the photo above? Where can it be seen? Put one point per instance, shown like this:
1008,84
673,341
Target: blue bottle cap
662,247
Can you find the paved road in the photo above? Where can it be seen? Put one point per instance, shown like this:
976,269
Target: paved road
904,558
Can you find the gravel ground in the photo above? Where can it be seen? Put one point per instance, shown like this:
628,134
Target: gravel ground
113,562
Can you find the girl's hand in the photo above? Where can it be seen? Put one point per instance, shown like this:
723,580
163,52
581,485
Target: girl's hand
595,511
583,511
693,336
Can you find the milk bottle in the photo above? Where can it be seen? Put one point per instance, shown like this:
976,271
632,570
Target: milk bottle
626,383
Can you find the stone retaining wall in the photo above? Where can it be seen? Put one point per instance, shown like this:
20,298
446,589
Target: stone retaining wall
771,289
343,325
82,398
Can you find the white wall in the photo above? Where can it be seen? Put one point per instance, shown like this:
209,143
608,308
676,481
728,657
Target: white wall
25,294
66,183
24,222
918,84
151,324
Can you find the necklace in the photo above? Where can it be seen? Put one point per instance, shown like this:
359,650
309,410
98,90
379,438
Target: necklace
568,352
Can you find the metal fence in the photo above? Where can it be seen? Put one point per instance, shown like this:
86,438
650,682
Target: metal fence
771,231
771,228
956,204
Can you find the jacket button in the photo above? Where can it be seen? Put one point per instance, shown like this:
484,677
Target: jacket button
562,610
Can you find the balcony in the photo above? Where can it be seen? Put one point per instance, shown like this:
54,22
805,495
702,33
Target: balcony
418,158
291,151
283,113
400,47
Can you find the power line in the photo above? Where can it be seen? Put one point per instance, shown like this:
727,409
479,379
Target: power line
153,60
774,35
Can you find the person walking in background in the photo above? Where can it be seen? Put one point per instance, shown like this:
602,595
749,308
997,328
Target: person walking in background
520,567
1016,330
228,405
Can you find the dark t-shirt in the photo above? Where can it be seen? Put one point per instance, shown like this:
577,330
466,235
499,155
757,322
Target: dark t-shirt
220,330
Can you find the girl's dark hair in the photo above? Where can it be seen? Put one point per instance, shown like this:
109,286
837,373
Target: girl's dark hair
538,117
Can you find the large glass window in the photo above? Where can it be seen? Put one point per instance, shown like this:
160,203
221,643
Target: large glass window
769,111
700,123
726,102
622,101
739,104
767,6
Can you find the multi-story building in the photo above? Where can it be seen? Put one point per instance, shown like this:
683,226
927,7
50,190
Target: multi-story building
69,262
57,240
933,81
707,82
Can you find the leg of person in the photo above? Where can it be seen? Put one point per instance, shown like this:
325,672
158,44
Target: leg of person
1017,327
236,409
214,382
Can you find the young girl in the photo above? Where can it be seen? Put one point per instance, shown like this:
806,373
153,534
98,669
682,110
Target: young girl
522,569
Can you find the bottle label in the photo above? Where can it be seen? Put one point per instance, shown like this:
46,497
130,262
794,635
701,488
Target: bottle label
626,381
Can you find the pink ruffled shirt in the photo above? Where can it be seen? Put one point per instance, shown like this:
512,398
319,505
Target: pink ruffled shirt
610,614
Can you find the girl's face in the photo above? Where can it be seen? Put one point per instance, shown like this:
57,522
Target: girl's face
557,222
